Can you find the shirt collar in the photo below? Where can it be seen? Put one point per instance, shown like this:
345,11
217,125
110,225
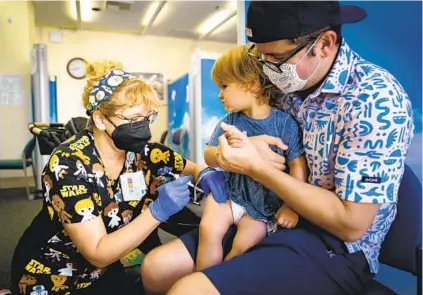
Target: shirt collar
338,76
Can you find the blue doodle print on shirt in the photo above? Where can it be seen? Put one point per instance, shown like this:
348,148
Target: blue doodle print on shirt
365,128
385,112
357,126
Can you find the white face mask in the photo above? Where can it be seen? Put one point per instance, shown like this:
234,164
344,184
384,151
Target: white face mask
288,80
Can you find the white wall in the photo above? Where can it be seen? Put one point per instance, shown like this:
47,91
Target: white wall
169,56
16,38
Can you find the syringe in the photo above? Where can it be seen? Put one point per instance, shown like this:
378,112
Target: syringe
189,184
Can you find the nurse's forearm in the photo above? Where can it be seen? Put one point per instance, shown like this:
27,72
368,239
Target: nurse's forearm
115,245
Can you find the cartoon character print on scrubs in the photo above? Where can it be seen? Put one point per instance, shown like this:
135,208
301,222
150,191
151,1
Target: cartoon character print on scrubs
78,189
68,271
25,282
157,161
81,172
98,173
357,128
85,208
127,216
48,184
112,211
59,282
59,207
39,290
59,170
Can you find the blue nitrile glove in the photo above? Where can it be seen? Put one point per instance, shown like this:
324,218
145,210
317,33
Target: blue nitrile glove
211,180
173,196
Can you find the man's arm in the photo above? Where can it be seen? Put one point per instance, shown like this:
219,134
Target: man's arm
286,216
298,168
347,220
367,168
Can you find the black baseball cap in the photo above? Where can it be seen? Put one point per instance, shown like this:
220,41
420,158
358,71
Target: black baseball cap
269,21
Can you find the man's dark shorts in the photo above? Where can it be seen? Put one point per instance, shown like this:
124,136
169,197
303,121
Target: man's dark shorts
303,260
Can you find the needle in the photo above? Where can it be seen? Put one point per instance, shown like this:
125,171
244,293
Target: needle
189,183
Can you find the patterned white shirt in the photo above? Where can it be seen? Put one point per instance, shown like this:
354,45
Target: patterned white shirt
357,127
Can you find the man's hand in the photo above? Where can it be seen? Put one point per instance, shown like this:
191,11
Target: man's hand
243,159
286,217
262,144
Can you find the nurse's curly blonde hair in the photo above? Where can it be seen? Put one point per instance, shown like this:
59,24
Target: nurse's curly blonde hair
130,93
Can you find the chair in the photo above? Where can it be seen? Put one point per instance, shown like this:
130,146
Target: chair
163,138
402,248
23,163
177,136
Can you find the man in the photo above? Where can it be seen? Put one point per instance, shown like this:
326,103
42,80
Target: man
357,126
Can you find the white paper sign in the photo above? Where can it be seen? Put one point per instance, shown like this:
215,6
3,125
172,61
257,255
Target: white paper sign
11,90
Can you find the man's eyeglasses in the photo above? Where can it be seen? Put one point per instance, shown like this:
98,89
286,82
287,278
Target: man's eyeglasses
150,118
274,65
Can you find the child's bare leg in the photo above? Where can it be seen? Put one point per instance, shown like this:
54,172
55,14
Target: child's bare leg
215,222
249,233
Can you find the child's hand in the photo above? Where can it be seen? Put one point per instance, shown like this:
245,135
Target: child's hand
236,140
286,217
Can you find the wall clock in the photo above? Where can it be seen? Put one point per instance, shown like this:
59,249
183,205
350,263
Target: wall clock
76,68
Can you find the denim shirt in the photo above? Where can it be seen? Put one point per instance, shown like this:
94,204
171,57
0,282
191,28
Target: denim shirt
259,202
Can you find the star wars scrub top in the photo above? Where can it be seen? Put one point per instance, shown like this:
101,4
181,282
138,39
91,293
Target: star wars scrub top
77,189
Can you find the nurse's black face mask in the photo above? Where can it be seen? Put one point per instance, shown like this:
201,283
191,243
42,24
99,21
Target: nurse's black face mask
134,135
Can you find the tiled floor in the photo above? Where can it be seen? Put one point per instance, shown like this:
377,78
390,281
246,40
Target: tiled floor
15,182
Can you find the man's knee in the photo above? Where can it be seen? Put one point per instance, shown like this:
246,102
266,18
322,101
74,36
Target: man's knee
163,266
196,283
152,269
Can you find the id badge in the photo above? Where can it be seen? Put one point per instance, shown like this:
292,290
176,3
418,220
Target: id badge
133,186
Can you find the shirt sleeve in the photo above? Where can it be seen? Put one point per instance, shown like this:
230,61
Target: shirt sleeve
217,132
295,140
159,159
68,189
370,159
